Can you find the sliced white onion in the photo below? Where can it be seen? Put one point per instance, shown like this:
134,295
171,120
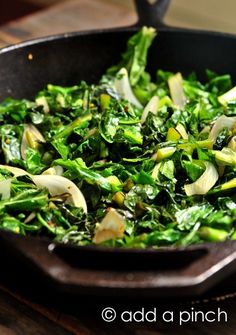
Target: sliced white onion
30,130
14,170
228,96
180,128
111,227
56,185
176,90
54,170
203,184
5,189
221,123
232,143
42,101
123,88
151,107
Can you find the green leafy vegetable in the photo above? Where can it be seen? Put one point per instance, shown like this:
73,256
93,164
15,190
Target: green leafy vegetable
135,160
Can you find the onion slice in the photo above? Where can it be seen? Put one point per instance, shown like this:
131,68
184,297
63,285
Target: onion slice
232,143
111,227
42,101
180,128
31,137
203,184
56,185
151,107
123,88
228,96
14,170
176,90
221,123
54,170
5,189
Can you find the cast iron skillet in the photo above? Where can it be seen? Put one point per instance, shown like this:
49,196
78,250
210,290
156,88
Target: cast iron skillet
64,60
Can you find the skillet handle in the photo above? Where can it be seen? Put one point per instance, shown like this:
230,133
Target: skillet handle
216,264
151,12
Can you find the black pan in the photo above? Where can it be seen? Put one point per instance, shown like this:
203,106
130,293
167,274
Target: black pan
66,59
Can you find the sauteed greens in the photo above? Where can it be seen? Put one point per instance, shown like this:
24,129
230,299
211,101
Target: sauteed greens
132,161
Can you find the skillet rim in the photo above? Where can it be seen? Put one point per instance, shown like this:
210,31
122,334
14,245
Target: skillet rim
133,28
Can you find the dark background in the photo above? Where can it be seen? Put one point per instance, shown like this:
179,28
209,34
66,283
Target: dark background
15,9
